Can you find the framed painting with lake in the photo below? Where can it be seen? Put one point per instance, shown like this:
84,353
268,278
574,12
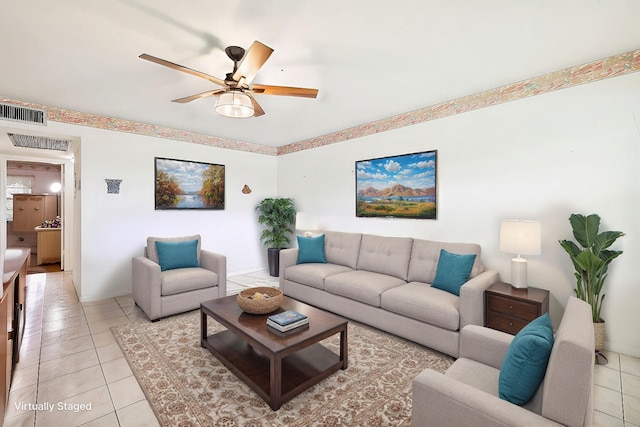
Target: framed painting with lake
184,184
401,186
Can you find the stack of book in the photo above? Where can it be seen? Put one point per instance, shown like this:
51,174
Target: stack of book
287,320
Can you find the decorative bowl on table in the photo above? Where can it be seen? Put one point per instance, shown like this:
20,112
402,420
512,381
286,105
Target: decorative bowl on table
260,300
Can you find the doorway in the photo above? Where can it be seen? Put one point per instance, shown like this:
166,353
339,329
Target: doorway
34,216
61,168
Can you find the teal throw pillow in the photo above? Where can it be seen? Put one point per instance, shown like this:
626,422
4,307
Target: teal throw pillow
453,271
525,363
177,254
311,249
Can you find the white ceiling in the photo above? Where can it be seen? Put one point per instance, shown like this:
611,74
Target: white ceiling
370,59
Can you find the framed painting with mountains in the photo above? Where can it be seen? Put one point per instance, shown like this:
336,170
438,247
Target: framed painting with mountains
401,186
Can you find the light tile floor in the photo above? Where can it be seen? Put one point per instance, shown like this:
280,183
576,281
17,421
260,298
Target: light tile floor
617,391
70,360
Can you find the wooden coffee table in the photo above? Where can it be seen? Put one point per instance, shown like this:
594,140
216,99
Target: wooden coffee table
278,366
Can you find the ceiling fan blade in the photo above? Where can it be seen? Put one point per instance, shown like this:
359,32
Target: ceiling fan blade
198,96
183,69
285,91
257,109
255,58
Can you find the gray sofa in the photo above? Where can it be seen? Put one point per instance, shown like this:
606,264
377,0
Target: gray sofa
384,282
163,293
467,393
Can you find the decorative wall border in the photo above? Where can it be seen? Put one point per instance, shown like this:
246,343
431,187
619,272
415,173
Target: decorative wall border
32,166
612,66
62,115
601,69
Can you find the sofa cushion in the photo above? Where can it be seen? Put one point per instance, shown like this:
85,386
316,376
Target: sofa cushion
342,248
313,274
525,362
424,303
360,285
385,255
453,271
182,280
475,374
152,252
311,249
173,255
425,255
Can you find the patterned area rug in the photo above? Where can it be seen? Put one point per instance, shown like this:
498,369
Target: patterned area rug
187,386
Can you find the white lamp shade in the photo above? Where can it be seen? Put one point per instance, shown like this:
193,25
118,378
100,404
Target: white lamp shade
234,104
520,237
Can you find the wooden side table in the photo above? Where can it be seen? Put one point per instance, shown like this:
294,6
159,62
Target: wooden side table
509,309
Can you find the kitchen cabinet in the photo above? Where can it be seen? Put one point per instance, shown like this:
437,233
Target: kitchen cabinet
48,245
30,210
12,318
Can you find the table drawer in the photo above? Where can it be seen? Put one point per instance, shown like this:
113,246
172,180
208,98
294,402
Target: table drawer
520,309
505,323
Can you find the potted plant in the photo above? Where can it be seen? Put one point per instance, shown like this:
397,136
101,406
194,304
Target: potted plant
591,262
278,215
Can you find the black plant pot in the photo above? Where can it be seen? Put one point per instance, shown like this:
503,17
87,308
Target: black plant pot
273,257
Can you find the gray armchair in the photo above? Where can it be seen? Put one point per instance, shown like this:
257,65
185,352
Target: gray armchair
467,393
171,289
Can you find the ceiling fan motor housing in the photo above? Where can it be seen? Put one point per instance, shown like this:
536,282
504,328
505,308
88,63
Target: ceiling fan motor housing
235,53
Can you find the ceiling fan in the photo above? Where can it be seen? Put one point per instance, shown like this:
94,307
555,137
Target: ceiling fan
235,99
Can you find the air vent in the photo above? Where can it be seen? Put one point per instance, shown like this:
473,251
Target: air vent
22,114
40,142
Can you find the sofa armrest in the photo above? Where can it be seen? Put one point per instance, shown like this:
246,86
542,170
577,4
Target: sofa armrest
218,264
484,345
288,257
146,285
472,298
442,401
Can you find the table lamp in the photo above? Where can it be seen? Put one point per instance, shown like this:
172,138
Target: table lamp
521,238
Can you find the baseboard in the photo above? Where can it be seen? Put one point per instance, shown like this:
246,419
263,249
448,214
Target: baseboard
248,271
622,349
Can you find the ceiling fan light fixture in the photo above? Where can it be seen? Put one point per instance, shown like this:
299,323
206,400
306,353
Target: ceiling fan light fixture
235,104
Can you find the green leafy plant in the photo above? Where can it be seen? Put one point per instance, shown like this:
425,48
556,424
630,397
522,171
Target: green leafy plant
591,259
278,215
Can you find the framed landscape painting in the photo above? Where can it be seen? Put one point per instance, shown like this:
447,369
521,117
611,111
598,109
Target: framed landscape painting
183,184
401,186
